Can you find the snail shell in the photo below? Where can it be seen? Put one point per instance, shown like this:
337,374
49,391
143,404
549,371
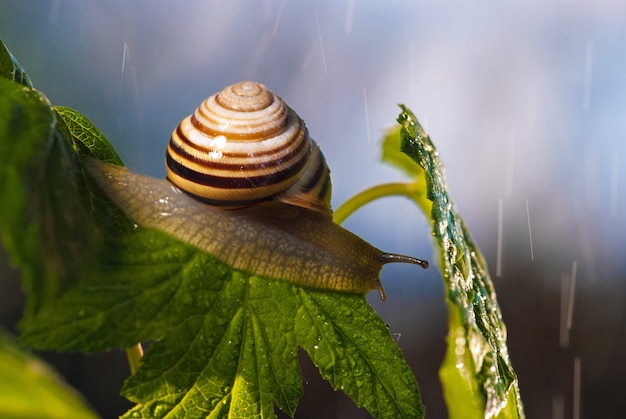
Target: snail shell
281,227
244,145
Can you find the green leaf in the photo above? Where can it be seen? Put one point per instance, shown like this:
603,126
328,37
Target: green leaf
243,366
26,129
356,358
30,389
477,374
392,156
225,342
11,69
46,217
87,139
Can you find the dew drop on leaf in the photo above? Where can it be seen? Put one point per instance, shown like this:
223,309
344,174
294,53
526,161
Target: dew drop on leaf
351,361
221,320
339,350
160,409
345,312
204,301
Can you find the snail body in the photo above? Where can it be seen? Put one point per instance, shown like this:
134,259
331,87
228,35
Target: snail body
268,215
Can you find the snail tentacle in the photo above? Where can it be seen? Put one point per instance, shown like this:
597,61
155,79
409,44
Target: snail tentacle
397,258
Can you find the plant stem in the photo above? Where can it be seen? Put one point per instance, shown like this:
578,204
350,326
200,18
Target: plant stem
134,355
369,195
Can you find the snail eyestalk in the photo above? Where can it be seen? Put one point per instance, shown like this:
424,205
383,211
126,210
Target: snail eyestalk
395,258
385,258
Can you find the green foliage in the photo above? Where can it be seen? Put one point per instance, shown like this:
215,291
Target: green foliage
223,342
10,69
27,384
477,375
87,140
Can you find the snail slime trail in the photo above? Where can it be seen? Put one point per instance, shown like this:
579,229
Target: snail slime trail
246,184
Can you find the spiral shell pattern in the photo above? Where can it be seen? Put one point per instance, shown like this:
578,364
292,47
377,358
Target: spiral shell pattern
244,145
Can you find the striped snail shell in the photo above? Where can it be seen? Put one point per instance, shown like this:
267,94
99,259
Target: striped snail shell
244,145
245,150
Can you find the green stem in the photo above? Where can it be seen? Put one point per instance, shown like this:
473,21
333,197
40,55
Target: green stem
369,195
134,355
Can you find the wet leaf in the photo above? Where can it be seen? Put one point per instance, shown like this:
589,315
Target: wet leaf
11,69
87,139
477,374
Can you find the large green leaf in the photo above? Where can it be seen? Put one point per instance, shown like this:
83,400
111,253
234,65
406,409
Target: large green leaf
477,374
224,342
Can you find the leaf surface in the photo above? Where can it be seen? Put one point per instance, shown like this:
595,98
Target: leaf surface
11,69
477,375
30,389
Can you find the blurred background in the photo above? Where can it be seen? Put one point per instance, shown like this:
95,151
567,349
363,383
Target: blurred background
525,101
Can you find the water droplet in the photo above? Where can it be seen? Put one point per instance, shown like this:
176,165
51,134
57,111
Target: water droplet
339,352
160,409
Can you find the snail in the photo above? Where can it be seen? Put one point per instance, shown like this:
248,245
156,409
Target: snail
247,184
